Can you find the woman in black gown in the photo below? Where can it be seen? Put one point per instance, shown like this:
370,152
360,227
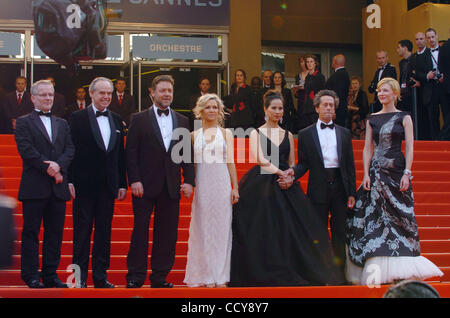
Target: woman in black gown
277,238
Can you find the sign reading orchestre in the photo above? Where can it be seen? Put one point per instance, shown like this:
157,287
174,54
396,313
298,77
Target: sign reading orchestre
182,48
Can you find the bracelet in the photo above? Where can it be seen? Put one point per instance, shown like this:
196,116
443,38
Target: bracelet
408,173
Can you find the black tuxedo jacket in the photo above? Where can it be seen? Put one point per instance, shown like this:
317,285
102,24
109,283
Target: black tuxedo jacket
310,158
13,109
339,82
389,71
125,109
444,64
35,147
71,108
93,166
424,64
149,162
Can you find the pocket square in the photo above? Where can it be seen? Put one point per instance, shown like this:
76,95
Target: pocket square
117,131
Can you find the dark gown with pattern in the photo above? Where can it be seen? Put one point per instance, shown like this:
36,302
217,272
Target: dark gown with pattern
278,239
383,221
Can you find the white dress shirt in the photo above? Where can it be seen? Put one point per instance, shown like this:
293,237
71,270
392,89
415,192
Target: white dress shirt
165,126
328,143
105,128
435,57
47,124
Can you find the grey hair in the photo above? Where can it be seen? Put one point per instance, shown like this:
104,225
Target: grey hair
35,86
326,92
99,79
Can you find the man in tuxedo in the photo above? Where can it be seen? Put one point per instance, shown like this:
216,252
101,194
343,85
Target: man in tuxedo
404,50
122,103
155,180
97,177
79,104
339,82
431,79
46,149
59,103
444,67
423,124
385,69
325,150
17,103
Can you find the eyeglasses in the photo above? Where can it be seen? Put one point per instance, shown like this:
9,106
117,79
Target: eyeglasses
46,95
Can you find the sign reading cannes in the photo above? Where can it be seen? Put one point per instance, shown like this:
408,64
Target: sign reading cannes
156,47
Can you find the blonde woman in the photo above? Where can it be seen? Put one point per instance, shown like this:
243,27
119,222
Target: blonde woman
383,234
209,246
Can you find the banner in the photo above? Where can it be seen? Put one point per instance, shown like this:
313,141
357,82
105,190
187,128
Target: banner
186,12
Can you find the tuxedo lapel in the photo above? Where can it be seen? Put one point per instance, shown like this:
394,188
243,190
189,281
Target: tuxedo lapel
316,140
339,142
174,126
55,128
95,128
155,126
40,126
114,131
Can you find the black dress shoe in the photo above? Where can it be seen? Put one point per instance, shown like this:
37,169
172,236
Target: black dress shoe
82,285
162,285
132,284
35,284
54,283
103,284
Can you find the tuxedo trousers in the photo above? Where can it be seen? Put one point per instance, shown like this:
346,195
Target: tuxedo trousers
51,212
335,210
165,233
90,211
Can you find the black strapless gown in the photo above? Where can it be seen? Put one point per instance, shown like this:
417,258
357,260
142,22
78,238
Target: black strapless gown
278,239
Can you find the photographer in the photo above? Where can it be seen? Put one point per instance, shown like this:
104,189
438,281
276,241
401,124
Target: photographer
406,79
431,79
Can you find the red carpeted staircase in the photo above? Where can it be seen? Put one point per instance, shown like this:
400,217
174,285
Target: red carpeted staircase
431,184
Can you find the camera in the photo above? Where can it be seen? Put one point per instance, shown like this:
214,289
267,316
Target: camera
438,74
372,87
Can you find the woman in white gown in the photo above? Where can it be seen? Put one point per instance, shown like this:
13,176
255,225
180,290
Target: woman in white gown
210,238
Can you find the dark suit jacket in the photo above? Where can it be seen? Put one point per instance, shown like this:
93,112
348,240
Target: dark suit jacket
444,65
126,109
310,158
13,109
339,82
35,147
149,162
389,71
243,112
71,108
313,84
424,64
93,166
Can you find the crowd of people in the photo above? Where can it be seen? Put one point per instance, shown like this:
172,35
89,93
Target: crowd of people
262,230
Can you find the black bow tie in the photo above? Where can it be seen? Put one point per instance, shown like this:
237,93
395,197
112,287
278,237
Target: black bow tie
41,113
323,126
98,114
165,112
434,50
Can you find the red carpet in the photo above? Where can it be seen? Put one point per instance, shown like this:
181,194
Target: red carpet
431,184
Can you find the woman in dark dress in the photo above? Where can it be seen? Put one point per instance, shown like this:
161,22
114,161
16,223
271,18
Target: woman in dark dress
358,107
314,83
300,84
289,115
383,236
240,103
278,239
